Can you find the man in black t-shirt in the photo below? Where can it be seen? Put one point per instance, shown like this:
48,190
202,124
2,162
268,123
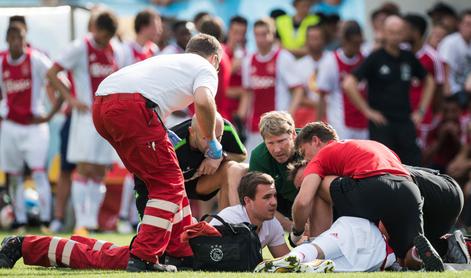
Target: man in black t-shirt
201,184
389,72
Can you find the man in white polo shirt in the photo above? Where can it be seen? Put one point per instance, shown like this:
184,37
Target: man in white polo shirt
129,109
257,195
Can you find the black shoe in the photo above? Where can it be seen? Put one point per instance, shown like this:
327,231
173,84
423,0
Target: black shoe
457,251
428,255
137,265
10,251
182,263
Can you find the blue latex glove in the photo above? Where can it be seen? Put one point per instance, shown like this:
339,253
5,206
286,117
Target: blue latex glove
214,149
174,139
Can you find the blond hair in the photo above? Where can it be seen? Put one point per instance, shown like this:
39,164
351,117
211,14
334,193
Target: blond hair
276,123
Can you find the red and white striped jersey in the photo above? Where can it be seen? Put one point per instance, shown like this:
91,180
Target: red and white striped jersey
341,113
269,77
89,66
22,81
430,60
134,52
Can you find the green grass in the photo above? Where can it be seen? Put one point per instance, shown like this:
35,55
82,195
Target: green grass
21,270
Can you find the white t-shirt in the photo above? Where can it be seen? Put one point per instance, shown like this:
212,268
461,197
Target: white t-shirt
270,234
286,75
457,54
307,69
167,80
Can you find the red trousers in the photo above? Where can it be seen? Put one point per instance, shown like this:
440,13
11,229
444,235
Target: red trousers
142,143
77,252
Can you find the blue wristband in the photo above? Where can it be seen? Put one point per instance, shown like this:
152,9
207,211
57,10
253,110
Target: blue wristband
214,149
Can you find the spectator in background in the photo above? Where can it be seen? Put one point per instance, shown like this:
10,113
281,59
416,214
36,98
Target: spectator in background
445,139
213,26
308,68
270,83
389,71
181,30
164,39
443,14
199,18
25,132
437,34
291,30
331,24
455,50
90,60
334,105
430,60
148,27
377,19
236,51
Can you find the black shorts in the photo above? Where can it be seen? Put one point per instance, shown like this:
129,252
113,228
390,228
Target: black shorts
142,193
190,188
393,200
64,143
441,211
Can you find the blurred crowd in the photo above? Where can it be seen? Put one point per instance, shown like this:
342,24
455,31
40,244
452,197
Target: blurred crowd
408,87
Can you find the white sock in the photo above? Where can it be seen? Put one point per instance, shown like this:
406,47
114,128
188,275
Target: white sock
127,197
44,191
305,252
17,193
96,195
78,196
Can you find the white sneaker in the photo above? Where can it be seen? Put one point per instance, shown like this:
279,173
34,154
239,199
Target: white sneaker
283,264
56,226
124,227
317,266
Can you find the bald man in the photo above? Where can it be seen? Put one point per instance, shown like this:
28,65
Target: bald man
389,72
203,177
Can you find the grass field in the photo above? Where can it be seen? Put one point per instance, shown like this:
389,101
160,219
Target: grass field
20,270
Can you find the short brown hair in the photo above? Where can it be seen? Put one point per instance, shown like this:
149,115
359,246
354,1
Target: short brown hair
266,22
293,168
204,45
144,18
323,131
107,21
249,183
213,27
276,123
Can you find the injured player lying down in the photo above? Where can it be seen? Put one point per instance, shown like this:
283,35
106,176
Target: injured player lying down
351,244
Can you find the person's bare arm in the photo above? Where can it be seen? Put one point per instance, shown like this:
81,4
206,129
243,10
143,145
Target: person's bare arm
427,95
58,84
284,221
321,107
350,85
205,109
245,100
279,251
297,95
303,203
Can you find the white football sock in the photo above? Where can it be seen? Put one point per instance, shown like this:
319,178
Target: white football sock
17,194
96,195
305,252
78,196
44,191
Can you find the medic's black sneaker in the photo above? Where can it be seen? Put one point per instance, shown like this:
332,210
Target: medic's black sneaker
10,251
